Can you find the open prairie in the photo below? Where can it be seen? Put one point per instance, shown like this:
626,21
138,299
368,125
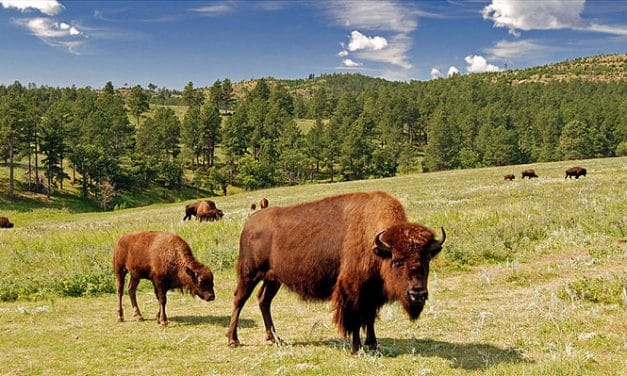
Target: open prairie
531,280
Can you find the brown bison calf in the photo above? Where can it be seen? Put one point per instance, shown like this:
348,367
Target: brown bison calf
263,203
167,261
191,209
4,223
509,177
530,173
576,172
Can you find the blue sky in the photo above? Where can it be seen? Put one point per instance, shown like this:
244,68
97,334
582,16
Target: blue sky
168,43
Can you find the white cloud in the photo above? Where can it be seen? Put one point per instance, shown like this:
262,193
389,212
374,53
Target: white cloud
543,15
452,71
350,63
53,33
478,64
522,49
359,41
395,20
342,53
435,73
395,53
49,7
213,9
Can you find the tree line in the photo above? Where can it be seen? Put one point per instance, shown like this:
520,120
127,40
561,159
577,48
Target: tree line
114,140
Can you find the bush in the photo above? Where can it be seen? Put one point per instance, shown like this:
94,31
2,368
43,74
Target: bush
609,290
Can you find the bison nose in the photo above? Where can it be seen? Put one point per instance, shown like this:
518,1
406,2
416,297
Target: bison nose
210,297
417,296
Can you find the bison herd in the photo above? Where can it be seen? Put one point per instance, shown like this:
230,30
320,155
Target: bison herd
530,173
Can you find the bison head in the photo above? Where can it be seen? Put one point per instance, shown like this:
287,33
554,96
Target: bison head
406,251
202,282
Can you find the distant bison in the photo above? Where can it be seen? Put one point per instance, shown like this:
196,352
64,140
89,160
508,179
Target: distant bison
263,203
576,172
167,261
206,213
530,173
191,209
509,177
253,206
358,250
5,223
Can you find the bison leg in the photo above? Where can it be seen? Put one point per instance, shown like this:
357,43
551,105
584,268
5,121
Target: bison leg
356,340
266,293
120,275
162,297
132,293
244,288
371,338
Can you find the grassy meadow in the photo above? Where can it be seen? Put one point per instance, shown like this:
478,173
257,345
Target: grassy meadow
531,281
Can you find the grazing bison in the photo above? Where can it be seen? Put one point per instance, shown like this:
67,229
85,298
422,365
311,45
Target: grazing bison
191,209
5,223
576,172
509,177
167,261
530,173
263,203
356,249
206,213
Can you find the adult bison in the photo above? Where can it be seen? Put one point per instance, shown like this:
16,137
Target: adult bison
167,261
192,209
576,172
530,173
206,213
5,223
509,177
356,249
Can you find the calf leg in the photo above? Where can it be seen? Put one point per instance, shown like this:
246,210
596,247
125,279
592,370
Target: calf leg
371,338
266,293
244,288
120,275
132,293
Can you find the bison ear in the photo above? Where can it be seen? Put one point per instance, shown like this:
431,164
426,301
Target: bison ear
436,245
381,248
192,273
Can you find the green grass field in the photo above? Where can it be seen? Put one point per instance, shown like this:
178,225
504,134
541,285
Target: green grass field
531,281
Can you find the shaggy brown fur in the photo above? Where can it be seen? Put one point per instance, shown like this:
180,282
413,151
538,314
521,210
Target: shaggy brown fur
4,223
358,250
191,209
509,177
576,172
206,213
530,173
167,261
263,203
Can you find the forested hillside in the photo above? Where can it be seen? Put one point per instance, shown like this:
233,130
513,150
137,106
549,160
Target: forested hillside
252,134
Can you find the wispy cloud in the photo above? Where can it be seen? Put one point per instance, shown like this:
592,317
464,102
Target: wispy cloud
350,63
519,49
214,9
392,21
435,73
55,34
452,71
518,15
49,7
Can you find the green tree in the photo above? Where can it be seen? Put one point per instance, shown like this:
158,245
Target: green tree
576,141
137,102
12,113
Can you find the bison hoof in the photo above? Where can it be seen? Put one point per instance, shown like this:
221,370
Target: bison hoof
234,343
120,319
140,318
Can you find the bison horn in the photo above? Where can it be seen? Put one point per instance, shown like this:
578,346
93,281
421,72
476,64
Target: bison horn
382,249
436,246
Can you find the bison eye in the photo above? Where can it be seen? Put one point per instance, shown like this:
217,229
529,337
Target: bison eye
398,263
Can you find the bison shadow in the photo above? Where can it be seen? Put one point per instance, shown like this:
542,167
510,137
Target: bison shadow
213,320
468,356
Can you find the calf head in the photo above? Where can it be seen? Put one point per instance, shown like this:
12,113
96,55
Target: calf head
406,250
202,282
